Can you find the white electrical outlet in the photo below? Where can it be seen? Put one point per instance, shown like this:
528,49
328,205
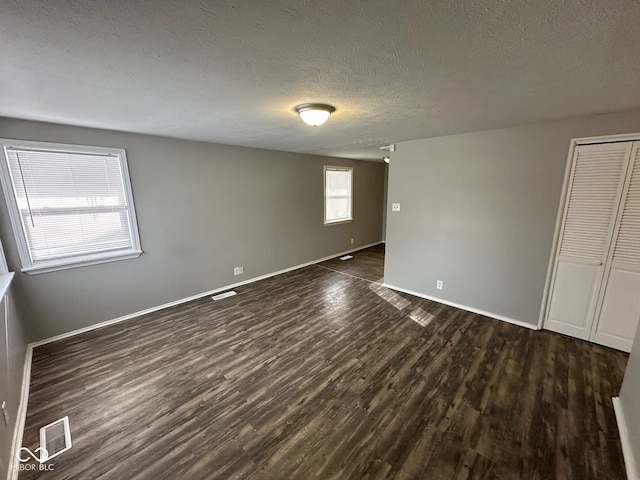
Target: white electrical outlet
352,241
238,270
439,284
395,207
5,413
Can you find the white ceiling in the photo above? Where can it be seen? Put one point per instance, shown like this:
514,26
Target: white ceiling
232,71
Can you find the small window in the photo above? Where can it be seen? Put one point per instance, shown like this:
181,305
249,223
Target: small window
338,194
69,205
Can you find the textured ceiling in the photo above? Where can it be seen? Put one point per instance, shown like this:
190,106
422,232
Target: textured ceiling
232,71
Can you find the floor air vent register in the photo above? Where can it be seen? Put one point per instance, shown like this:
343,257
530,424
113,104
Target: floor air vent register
220,296
56,437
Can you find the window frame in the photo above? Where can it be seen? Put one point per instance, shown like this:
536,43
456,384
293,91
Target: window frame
8,188
350,197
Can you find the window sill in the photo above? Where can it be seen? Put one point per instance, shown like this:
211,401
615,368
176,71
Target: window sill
54,267
338,222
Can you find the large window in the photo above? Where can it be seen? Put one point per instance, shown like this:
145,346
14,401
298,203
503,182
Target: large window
70,205
338,194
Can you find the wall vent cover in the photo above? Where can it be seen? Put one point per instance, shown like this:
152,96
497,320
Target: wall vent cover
56,437
220,296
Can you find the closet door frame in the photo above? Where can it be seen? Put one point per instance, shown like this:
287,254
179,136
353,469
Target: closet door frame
573,145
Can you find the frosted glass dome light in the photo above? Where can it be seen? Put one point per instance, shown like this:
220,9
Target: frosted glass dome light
314,114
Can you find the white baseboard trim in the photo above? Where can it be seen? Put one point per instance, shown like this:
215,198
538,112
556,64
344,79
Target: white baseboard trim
464,307
193,297
627,451
18,430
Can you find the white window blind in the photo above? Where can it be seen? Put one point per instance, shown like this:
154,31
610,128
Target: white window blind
70,205
338,194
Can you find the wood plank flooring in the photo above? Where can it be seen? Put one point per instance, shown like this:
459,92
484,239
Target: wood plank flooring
367,263
314,374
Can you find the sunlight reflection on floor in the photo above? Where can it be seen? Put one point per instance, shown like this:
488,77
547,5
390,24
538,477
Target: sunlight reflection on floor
421,317
390,296
418,314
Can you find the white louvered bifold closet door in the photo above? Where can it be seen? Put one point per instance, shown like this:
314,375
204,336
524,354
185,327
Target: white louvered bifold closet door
592,201
621,297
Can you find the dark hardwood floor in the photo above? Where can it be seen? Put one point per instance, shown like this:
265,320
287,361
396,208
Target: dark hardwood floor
367,264
316,374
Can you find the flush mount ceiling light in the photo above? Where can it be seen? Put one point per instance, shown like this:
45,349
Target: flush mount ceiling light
314,114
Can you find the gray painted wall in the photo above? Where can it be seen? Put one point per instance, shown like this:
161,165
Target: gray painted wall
11,370
630,400
202,209
478,211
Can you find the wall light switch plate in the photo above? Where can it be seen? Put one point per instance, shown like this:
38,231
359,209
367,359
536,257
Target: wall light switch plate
395,207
